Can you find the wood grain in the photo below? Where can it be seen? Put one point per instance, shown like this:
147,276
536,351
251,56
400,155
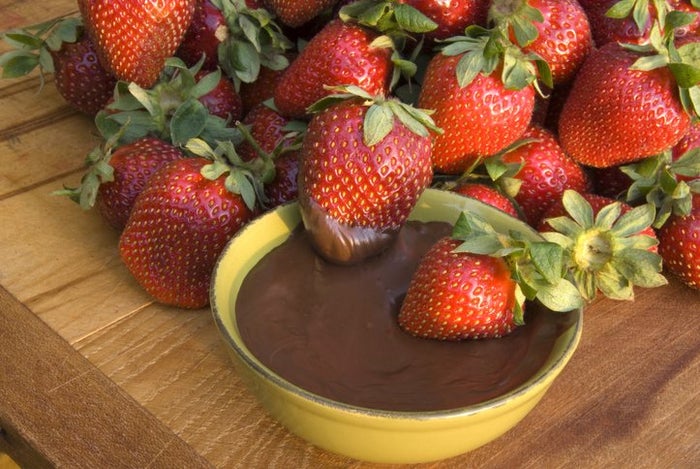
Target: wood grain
42,376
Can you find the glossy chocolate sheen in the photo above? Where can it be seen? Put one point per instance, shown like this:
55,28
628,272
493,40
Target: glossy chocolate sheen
332,330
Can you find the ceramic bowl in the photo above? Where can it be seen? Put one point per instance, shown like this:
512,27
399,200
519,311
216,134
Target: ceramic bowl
361,433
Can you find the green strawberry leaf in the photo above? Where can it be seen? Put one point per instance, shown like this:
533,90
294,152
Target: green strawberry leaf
607,216
613,284
411,20
565,225
18,63
577,207
686,75
561,239
206,84
634,221
640,267
487,244
561,297
188,121
378,122
548,259
22,41
688,164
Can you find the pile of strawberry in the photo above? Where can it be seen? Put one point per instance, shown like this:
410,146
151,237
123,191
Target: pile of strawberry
578,117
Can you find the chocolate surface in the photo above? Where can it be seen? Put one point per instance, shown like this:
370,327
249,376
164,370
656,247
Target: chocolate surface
332,330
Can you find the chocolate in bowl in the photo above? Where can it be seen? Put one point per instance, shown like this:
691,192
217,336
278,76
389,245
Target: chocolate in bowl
332,330
374,434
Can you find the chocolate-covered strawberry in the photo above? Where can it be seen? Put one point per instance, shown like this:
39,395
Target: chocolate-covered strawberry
365,161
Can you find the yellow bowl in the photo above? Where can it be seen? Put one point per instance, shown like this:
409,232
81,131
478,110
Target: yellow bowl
361,433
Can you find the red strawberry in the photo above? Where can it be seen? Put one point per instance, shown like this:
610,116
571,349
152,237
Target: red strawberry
563,271
207,30
266,127
679,246
607,29
690,141
455,296
451,17
545,172
488,195
560,33
223,100
610,182
285,186
298,12
179,225
117,174
479,112
612,113
133,38
269,134
362,171
340,54
259,90
133,164
78,75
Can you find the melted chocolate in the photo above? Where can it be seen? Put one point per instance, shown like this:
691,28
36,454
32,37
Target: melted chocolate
332,330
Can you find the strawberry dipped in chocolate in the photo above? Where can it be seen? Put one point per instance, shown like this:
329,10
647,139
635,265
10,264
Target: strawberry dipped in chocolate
364,162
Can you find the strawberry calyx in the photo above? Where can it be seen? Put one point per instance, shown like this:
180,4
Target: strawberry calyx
170,110
518,16
397,23
485,51
381,113
586,254
606,252
253,40
245,178
660,50
32,46
99,171
667,183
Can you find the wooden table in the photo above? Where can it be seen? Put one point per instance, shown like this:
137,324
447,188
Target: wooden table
93,373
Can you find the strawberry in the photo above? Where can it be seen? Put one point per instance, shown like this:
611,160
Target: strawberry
679,245
133,38
295,13
261,89
451,18
455,296
556,30
544,172
267,128
612,113
61,47
270,135
340,54
182,220
180,106
207,30
618,25
481,105
116,176
364,162
488,195
563,270
223,100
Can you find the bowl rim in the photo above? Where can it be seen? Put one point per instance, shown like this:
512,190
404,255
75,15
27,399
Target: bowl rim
270,376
